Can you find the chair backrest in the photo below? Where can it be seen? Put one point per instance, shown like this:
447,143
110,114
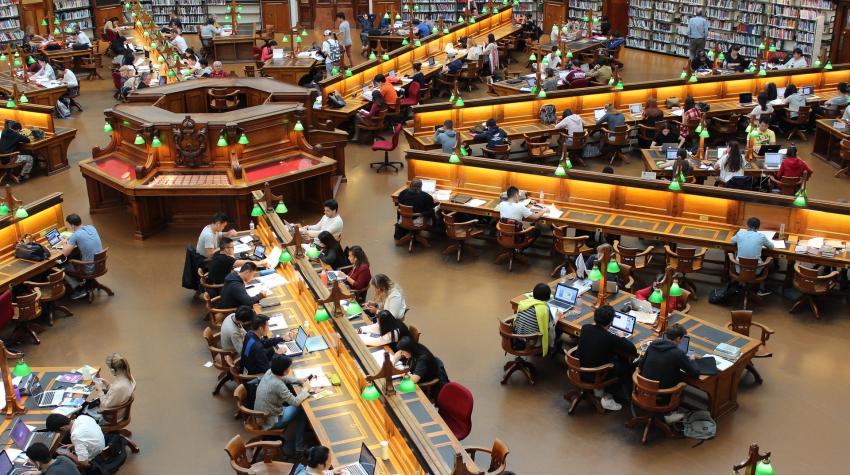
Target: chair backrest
748,270
413,90
250,71
646,391
803,114
99,263
509,338
29,306
204,283
508,235
397,132
55,285
580,82
455,403
566,245
236,450
742,321
810,281
633,256
221,98
687,258
498,457
618,136
410,220
844,152
579,140
7,312
788,185
500,150
455,230
574,372
117,417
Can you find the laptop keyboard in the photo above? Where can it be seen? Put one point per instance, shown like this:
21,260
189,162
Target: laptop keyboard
43,437
51,398
356,469
291,347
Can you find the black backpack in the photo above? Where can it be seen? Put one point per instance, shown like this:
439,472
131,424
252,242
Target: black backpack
112,457
548,115
722,295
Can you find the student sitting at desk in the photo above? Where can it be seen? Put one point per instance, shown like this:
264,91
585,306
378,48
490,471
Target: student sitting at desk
258,346
766,136
222,262
701,62
417,75
318,462
794,100
511,211
277,397
116,393
473,51
644,293
388,328
613,117
388,296
651,113
10,140
388,92
601,73
797,60
204,70
123,51
665,136
552,60
210,235
70,80
86,239
839,101
233,329
331,222
614,42
575,73
551,81
493,134
266,51
446,137
110,28
421,29
731,163
664,362
572,123
218,70
792,166
179,42
360,274
690,117
424,366
80,39
533,316
331,252
421,202
749,244
597,346
46,71
763,107
40,455
734,61
86,436
234,293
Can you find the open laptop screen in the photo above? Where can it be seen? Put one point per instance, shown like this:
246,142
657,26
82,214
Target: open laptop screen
565,293
772,160
685,344
624,323
20,434
367,460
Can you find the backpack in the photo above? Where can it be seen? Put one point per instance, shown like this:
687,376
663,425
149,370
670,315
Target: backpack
31,252
547,114
722,295
699,425
112,457
333,51
63,110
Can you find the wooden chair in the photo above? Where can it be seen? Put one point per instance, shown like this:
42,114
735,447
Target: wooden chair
219,358
725,127
811,284
844,157
568,247
619,140
513,240
250,71
9,167
499,152
81,273
223,100
742,323
394,113
470,73
599,378
212,290
214,314
638,259
575,147
538,146
52,291
646,133
749,273
252,420
116,420
446,83
27,308
414,224
459,233
428,387
415,334
530,345
625,278
788,185
685,260
797,124
90,65
645,395
498,456
236,370
372,125
237,450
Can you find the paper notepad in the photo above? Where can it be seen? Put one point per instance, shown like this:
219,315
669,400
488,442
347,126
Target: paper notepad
677,113
553,212
246,239
240,248
443,195
277,322
778,244
369,339
379,357
319,380
272,280
475,202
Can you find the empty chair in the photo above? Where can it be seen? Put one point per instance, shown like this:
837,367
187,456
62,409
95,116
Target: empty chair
26,309
725,127
519,346
394,112
797,124
844,157
387,146
415,333
645,396
250,71
586,380
742,322
513,239
455,404
499,152
637,258
685,260
223,100
498,456
459,233
811,284
414,224
568,247
82,272
52,291
538,146
749,273
412,97
470,73
237,450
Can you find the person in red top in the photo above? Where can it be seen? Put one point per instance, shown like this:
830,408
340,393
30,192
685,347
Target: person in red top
360,274
643,294
218,70
387,91
690,117
575,73
792,166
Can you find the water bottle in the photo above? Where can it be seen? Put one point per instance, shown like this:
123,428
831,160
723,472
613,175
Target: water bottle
563,274
251,225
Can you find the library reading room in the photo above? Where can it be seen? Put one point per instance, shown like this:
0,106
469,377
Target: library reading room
598,237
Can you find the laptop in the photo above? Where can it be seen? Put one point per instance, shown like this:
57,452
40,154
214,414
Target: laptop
23,437
780,92
623,323
391,73
54,239
685,344
642,306
635,109
366,463
8,468
599,113
667,146
772,160
432,62
807,90
259,253
769,148
296,347
746,98
564,299
671,154
532,82
46,398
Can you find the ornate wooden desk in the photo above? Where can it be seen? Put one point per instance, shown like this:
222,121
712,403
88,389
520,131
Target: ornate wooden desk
53,148
828,137
44,215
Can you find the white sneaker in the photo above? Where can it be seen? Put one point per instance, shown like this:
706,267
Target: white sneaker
610,404
673,417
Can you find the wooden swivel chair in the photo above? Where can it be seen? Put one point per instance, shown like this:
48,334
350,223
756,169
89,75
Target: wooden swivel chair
520,346
235,366
498,152
212,290
595,378
454,405
459,233
635,257
470,74
727,128
844,157
568,247
250,71
415,333
797,124
90,65
371,126
446,83
215,314
575,147
219,358
81,272
414,224
223,100
749,273
742,323
685,260
27,308
619,140
52,291
625,278
237,450
788,185
811,284
116,420
538,146
252,420
10,169
645,395
498,456
513,239
646,133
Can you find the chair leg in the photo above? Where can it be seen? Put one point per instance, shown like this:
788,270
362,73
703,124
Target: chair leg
842,171
134,447
574,396
813,306
452,248
519,364
224,378
752,369
30,330
68,313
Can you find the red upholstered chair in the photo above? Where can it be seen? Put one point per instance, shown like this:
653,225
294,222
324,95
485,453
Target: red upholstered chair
412,95
116,81
387,146
455,407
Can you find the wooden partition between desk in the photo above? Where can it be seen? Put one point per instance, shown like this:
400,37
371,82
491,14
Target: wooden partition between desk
29,115
44,215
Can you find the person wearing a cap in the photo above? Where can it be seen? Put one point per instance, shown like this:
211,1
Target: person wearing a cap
330,50
387,91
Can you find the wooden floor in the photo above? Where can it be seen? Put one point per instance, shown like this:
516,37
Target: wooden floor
799,413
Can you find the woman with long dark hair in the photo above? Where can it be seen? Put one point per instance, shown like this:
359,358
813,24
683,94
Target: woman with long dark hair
388,330
360,274
731,163
424,366
331,251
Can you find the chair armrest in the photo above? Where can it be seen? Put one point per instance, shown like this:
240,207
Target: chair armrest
677,388
700,253
526,231
43,284
648,250
472,451
597,369
766,263
473,222
670,252
763,328
267,448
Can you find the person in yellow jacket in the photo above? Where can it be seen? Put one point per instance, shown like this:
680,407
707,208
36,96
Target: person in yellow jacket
533,316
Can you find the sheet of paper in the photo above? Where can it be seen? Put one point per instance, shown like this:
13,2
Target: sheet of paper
319,381
778,244
816,242
277,322
443,195
475,202
644,317
240,248
553,212
379,357
677,113
254,290
369,340
246,239
272,280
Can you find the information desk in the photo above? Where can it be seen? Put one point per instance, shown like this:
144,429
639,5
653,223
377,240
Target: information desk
171,159
721,388
419,440
44,214
652,159
289,70
828,137
401,61
234,48
520,114
36,94
53,148
699,215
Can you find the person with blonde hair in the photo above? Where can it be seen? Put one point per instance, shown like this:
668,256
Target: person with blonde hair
120,390
388,296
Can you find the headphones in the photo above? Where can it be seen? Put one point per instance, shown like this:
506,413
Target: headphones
116,362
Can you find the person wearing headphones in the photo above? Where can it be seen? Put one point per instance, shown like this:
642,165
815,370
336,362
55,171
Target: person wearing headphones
120,390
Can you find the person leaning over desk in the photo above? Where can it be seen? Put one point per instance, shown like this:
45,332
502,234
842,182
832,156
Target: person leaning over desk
421,202
763,107
40,455
731,163
668,134
331,253
424,366
597,346
223,262
388,296
318,462
86,436
234,293
492,134
389,330
665,362
86,239
258,346
511,211
208,240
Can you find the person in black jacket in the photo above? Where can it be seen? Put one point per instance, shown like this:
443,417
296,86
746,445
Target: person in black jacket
494,135
665,362
332,253
420,201
10,139
258,348
222,262
234,294
424,366
597,346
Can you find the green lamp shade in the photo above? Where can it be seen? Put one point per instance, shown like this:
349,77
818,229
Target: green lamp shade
372,55
43,22
238,17
485,10
675,290
107,127
17,63
417,43
800,200
749,128
459,102
4,209
321,315
710,54
30,60
619,86
227,18
542,94
56,20
504,2
699,128
463,151
285,256
222,142
298,127
281,208
286,39
817,63
405,42
156,142
569,54
370,393
22,212
298,39
397,16
460,20
10,104
407,385
693,78
683,75
125,123
348,73
545,60
228,9
558,53
674,186
495,10
764,468
146,34
452,97
256,211
584,18
416,8
23,369
453,158
353,308
762,72
312,252
3,57
407,8
754,133
154,45
445,31
704,133
568,164
532,57
385,57
186,72
139,140
772,49
656,296
243,139
721,56
613,267
761,46
596,19
239,8
611,82
594,274
171,73
387,15
828,66
560,171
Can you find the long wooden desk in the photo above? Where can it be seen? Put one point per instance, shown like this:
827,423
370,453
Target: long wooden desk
289,70
44,215
234,48
651,159
34,92
419,439
827,144
699,215
74,54
53,148
520,114
721,388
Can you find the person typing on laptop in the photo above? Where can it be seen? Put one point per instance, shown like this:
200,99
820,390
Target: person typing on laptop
750,243
278,397
87,439
39,454
533,316
318,462
331,222
793,166
234,293
85,239
668,134
766,136
258,346
664,362
597,346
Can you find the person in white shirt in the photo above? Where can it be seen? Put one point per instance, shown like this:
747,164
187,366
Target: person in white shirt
731,163
763,107
473,51
179,42
572,123
388,296
846,116
82,37
330,222
797,60
46,71
512,211
73,86
86,436
552,60
794,100
318,462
